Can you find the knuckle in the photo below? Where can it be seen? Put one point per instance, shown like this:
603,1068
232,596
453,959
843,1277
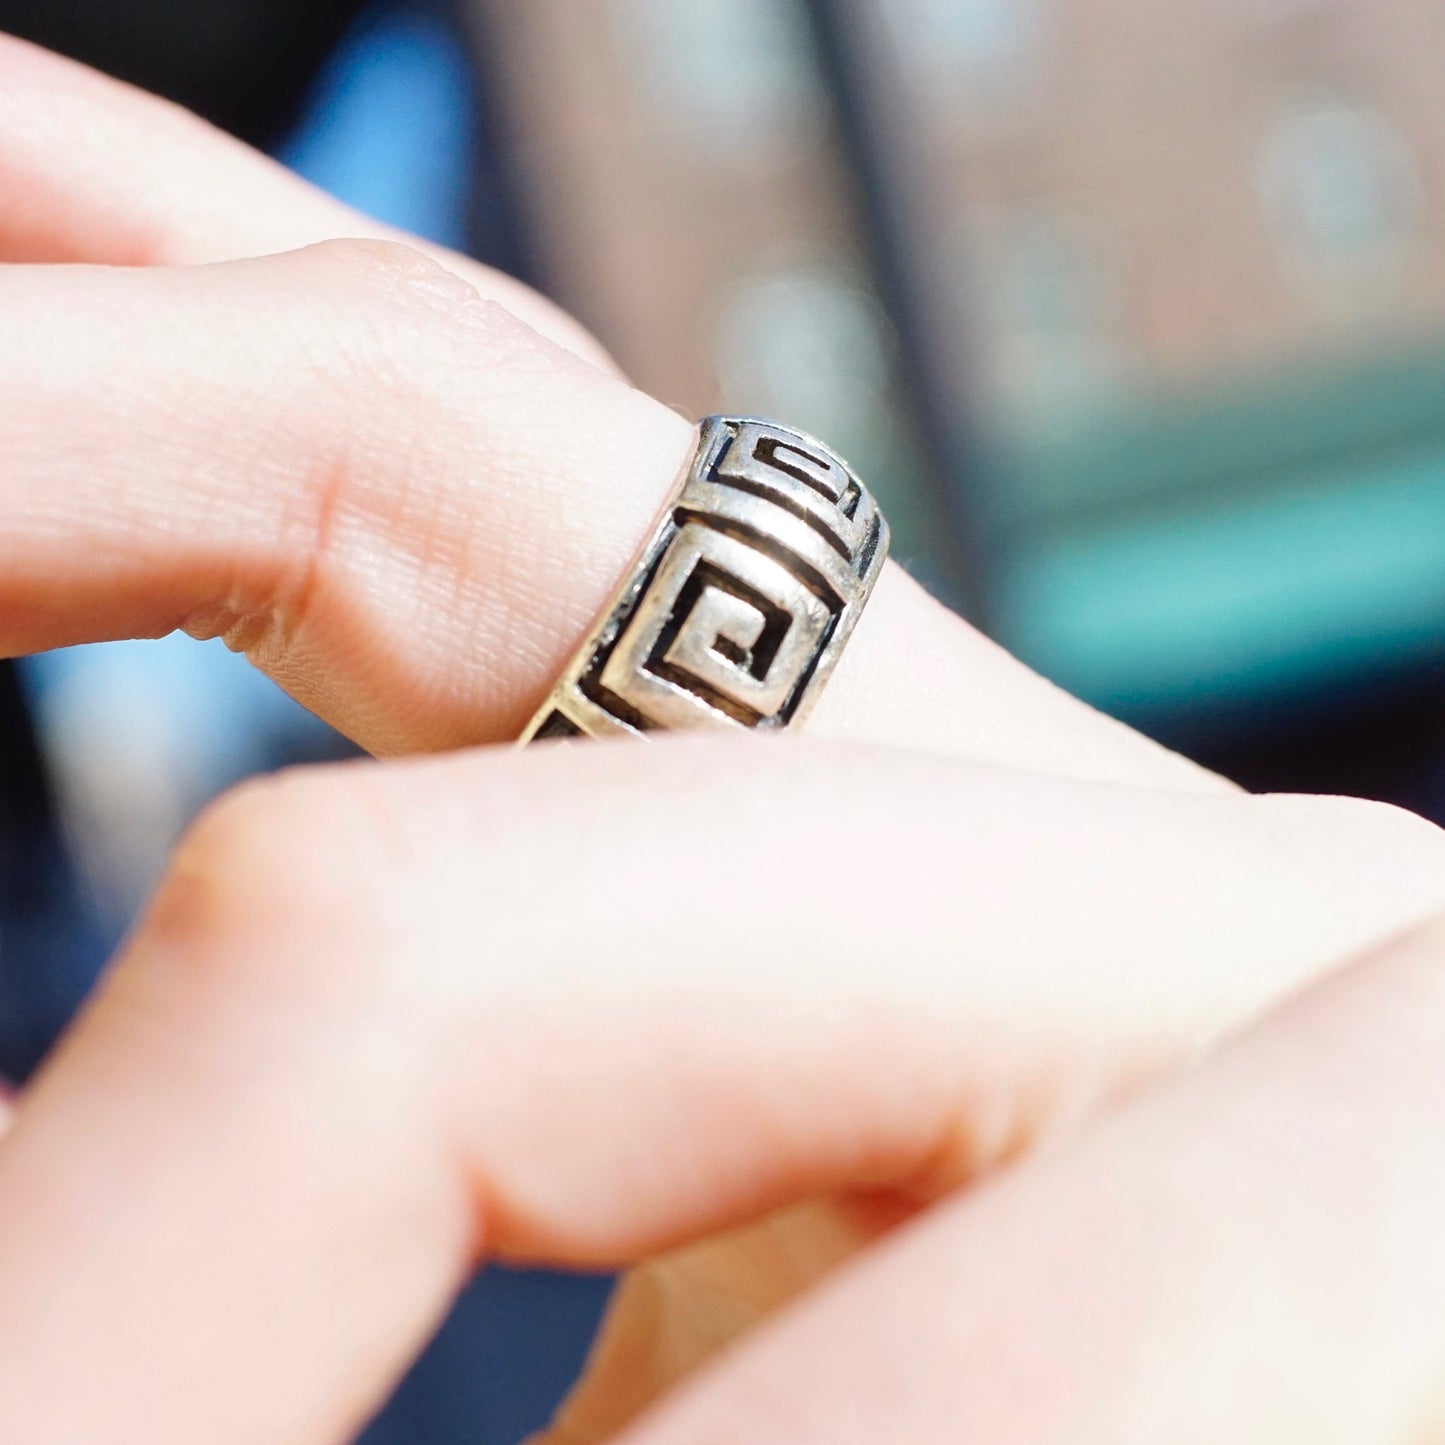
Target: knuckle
246,829
271,864
389,274
405,386
409,347
398,305
385,418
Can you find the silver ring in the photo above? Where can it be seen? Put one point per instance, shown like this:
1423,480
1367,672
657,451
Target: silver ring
740,602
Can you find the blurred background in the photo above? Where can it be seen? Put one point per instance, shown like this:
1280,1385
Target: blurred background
1132,311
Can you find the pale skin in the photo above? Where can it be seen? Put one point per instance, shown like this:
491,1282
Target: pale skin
385,1021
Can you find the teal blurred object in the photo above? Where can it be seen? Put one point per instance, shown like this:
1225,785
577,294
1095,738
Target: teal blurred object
1341,580
1256,545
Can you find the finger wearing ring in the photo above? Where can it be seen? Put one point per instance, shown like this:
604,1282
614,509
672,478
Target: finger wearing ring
741,600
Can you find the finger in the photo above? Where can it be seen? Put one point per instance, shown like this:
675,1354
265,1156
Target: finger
402,503
570,1006
94,170
343,460
1252,1254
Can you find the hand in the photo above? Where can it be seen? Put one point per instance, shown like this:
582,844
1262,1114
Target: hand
586,1005
326,1077
403,501
1251,1254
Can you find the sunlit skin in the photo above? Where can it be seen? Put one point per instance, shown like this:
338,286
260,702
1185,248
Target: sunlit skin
783,1026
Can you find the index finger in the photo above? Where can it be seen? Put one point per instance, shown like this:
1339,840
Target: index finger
155,516
94,170
402,503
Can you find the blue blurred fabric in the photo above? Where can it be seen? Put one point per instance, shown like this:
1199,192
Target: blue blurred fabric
390,127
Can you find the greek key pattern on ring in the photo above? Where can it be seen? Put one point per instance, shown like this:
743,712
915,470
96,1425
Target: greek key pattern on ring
742,599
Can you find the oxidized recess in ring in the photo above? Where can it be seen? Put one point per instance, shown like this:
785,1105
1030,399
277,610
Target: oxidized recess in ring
742,599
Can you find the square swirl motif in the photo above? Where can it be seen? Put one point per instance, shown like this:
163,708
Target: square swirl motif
742,599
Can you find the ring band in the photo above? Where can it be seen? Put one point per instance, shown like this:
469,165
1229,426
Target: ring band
741,600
